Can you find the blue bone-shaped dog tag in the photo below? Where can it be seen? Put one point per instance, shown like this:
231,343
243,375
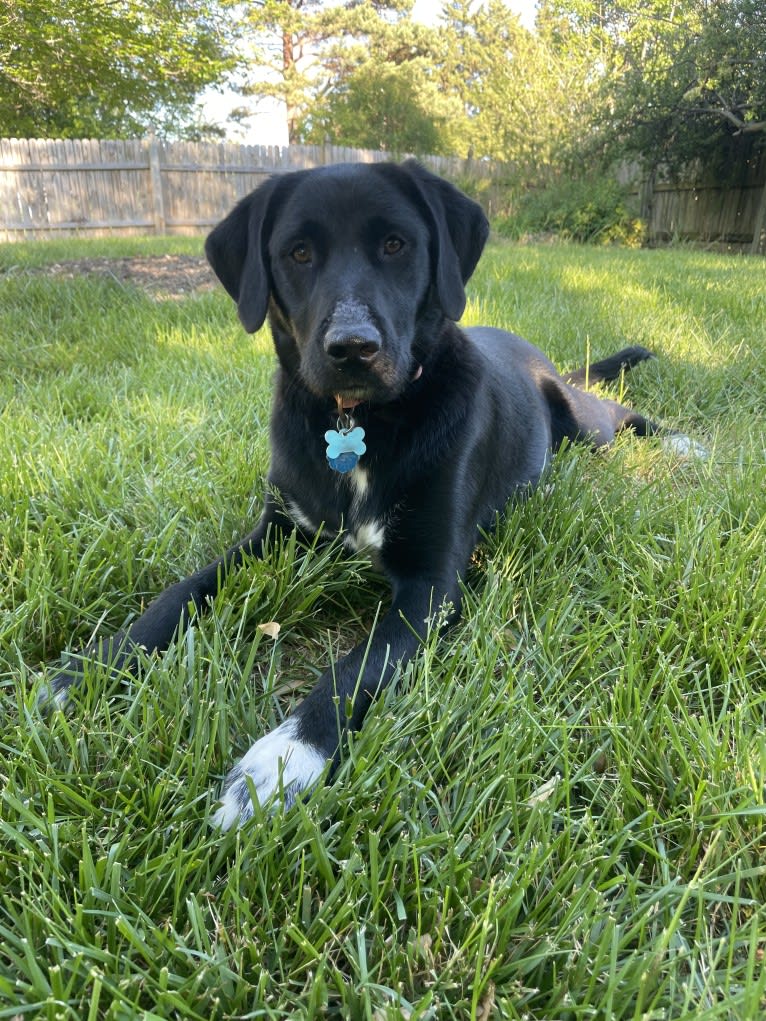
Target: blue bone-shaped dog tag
344,448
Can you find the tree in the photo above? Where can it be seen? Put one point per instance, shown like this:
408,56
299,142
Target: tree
382,86
100,68
679,79
285,35
725,101
362,72
354,72
383,106
522,92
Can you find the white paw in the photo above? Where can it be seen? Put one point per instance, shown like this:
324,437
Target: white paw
278,763
49,699
684,446
53,692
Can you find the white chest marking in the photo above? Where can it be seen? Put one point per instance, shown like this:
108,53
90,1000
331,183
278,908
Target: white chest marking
362,535
360,481
367,536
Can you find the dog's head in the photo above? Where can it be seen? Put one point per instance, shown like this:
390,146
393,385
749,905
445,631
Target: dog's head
348,261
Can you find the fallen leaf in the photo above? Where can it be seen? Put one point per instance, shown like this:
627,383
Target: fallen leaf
271,629
544,791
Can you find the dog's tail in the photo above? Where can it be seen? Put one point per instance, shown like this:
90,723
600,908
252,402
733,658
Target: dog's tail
608,368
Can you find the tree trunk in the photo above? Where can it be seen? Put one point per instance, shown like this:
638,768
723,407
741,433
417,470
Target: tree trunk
288,72
760,224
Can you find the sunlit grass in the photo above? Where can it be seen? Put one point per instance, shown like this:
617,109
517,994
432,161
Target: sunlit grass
561,813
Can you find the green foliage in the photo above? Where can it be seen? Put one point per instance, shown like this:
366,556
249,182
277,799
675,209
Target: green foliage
354,74
562,814
678,80
383,106
368,75
596,210
667,81
351,74
382,89
521,98
95,69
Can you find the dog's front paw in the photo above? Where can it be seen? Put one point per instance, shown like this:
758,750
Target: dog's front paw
280,763
54,691
116,653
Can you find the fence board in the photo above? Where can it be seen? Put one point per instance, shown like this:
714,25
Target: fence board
695,208
53,187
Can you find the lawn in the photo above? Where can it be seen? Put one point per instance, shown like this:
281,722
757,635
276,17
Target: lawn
560,815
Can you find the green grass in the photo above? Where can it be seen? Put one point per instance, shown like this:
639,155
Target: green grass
560,816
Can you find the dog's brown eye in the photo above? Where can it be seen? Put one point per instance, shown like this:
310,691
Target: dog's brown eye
301,253
392,245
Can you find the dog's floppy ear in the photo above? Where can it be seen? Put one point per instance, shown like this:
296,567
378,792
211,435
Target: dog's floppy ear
460,232
236,249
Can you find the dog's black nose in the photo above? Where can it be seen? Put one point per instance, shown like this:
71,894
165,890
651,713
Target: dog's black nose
358,344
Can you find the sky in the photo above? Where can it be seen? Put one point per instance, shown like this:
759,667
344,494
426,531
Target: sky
268,125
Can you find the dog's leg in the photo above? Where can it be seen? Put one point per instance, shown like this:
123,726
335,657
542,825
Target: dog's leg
170,612
294,755
673,441
620,417
581,416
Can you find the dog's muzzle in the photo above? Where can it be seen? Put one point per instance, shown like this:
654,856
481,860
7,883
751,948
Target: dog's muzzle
352,338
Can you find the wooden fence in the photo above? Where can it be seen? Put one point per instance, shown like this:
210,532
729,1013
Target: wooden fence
51,188
694,207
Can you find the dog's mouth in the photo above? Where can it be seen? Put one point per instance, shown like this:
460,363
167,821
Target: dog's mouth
348,403
348,400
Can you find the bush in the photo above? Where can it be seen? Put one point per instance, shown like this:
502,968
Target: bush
596,210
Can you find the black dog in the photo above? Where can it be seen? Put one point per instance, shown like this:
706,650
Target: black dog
390,424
